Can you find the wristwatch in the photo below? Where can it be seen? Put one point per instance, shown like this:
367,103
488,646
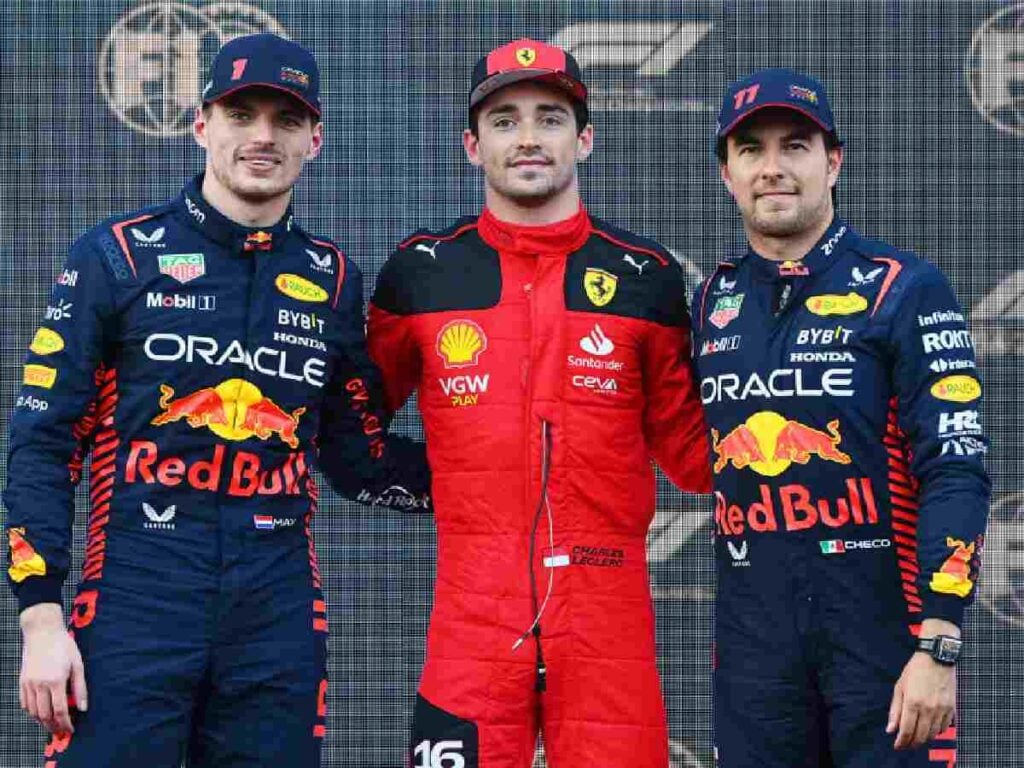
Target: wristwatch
943,648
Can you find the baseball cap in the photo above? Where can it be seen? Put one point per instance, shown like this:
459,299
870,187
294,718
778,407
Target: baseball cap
774,88
266,60
526,59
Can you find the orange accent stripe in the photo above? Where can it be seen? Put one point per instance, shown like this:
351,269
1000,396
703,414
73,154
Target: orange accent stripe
631,247
909,565
894,269
320,606
319,731
320,625
341,269
901,515
123,242
910,530
948,734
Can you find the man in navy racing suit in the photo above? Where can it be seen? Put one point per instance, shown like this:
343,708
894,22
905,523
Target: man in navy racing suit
209,351
842,398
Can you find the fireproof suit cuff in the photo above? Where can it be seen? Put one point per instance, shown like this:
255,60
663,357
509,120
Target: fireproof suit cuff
39,589
946,607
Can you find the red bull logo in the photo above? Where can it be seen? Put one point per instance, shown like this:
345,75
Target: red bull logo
259,241
234,410
768,443
955,577
246,476
792,508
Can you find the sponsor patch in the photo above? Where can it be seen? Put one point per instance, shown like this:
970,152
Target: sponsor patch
460,343
957,389
295,76
60,312
183,267
596,343
299,288
726,309
600,286
68,278
715,346
40,376
558,557
47,342
835,304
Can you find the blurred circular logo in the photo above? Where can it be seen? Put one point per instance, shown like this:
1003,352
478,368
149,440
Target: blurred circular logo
995,72
1001,587
153,60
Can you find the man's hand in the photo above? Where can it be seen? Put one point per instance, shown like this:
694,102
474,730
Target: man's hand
49,658
924,700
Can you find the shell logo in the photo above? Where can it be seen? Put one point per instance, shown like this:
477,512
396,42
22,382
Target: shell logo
47,342
835,304
957,389
299,288
460,342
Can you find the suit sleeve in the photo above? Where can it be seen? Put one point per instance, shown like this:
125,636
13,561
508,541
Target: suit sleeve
357,455
52,423
673,416
938,393
389,337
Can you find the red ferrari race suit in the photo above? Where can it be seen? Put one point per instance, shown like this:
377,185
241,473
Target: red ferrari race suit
552,365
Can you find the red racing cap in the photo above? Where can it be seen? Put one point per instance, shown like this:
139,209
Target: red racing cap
526,59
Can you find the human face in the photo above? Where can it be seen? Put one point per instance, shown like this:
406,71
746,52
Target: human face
527,144
256,142
781,174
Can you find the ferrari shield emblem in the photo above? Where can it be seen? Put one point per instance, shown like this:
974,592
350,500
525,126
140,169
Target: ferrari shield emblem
600,286
526,56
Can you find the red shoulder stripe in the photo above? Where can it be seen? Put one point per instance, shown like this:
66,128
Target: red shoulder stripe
341,269
119,234
630,247
894,269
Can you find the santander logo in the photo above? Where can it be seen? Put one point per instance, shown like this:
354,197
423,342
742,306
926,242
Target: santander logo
596,343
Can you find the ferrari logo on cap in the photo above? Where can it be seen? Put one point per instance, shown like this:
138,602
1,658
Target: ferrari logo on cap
600,286
526,56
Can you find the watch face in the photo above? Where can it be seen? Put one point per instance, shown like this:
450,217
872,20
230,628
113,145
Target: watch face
947,649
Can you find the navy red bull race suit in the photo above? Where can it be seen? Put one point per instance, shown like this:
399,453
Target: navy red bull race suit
850,497
552,366
208,366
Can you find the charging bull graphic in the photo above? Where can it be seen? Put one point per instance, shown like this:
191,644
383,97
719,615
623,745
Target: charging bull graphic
235,410
768,443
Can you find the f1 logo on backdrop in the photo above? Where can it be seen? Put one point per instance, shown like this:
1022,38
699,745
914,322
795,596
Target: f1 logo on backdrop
153,60
995,70
648,49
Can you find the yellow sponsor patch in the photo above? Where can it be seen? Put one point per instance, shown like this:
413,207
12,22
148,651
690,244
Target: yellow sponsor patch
600,286
47,342
40,376
835,304
25,561
299,288
957,389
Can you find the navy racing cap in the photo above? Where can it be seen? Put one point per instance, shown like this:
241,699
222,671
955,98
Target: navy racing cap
267,60
777,88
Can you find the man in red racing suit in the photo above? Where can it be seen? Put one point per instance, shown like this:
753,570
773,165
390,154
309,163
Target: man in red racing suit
551,355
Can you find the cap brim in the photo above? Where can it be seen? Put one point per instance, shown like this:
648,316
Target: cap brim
560,80
275,86
778,105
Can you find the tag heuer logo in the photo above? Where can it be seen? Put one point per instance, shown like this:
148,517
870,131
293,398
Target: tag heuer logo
526,56
726,310
183,267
